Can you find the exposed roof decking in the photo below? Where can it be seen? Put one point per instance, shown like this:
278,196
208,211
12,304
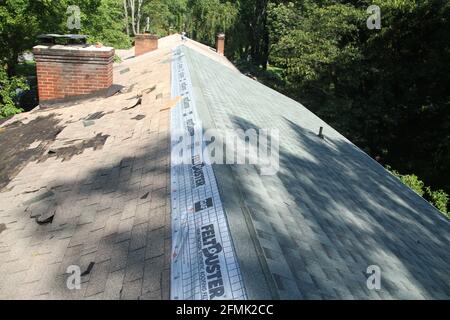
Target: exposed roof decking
329,213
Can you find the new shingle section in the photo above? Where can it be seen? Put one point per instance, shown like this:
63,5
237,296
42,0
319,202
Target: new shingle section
312,230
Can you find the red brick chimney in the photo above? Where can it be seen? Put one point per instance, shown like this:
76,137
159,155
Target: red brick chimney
220,44
66,72
145,43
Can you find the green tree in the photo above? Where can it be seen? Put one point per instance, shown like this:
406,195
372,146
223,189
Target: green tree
166,16
386,90
206,18
10,87
439,198
104,23
18,29
252,31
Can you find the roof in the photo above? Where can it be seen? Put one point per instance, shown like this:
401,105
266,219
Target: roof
94,175
328,214
100,174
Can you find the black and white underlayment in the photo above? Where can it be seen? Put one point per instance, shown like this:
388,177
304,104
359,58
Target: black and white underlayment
204,264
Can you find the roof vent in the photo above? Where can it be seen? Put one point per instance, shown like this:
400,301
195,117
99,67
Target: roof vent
320,135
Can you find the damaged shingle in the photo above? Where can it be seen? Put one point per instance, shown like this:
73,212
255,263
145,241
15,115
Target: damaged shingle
66,153
138,117
126,70
46,218
89,269
137,103
88,123
16,141
95,116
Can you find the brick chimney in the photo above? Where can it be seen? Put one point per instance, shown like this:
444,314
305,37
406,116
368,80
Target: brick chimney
66,72
220,44
145,43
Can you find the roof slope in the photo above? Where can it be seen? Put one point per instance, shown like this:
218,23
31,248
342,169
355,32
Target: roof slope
312,230
100,170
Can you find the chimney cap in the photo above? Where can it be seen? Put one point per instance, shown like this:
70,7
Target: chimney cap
64,38
221,35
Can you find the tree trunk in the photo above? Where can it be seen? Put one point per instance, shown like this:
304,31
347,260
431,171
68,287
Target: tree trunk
11,65
125,10
139,17
259,35
132,4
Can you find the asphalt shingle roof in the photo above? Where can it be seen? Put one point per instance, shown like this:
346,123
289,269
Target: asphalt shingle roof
102,168
312,230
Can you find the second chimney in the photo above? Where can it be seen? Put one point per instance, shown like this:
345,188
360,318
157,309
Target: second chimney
145,43
220,44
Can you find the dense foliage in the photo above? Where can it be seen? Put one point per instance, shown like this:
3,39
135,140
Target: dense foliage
387,90
10,87
437,198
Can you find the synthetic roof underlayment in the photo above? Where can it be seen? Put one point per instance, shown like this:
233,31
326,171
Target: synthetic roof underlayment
312,230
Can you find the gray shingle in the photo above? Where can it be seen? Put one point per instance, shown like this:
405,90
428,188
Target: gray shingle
330,207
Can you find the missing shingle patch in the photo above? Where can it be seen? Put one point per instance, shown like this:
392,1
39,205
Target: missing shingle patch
66,153
138,117
16,141
149,90
97,115
123,71
88,123
137,103
128,89
46,218
89,269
